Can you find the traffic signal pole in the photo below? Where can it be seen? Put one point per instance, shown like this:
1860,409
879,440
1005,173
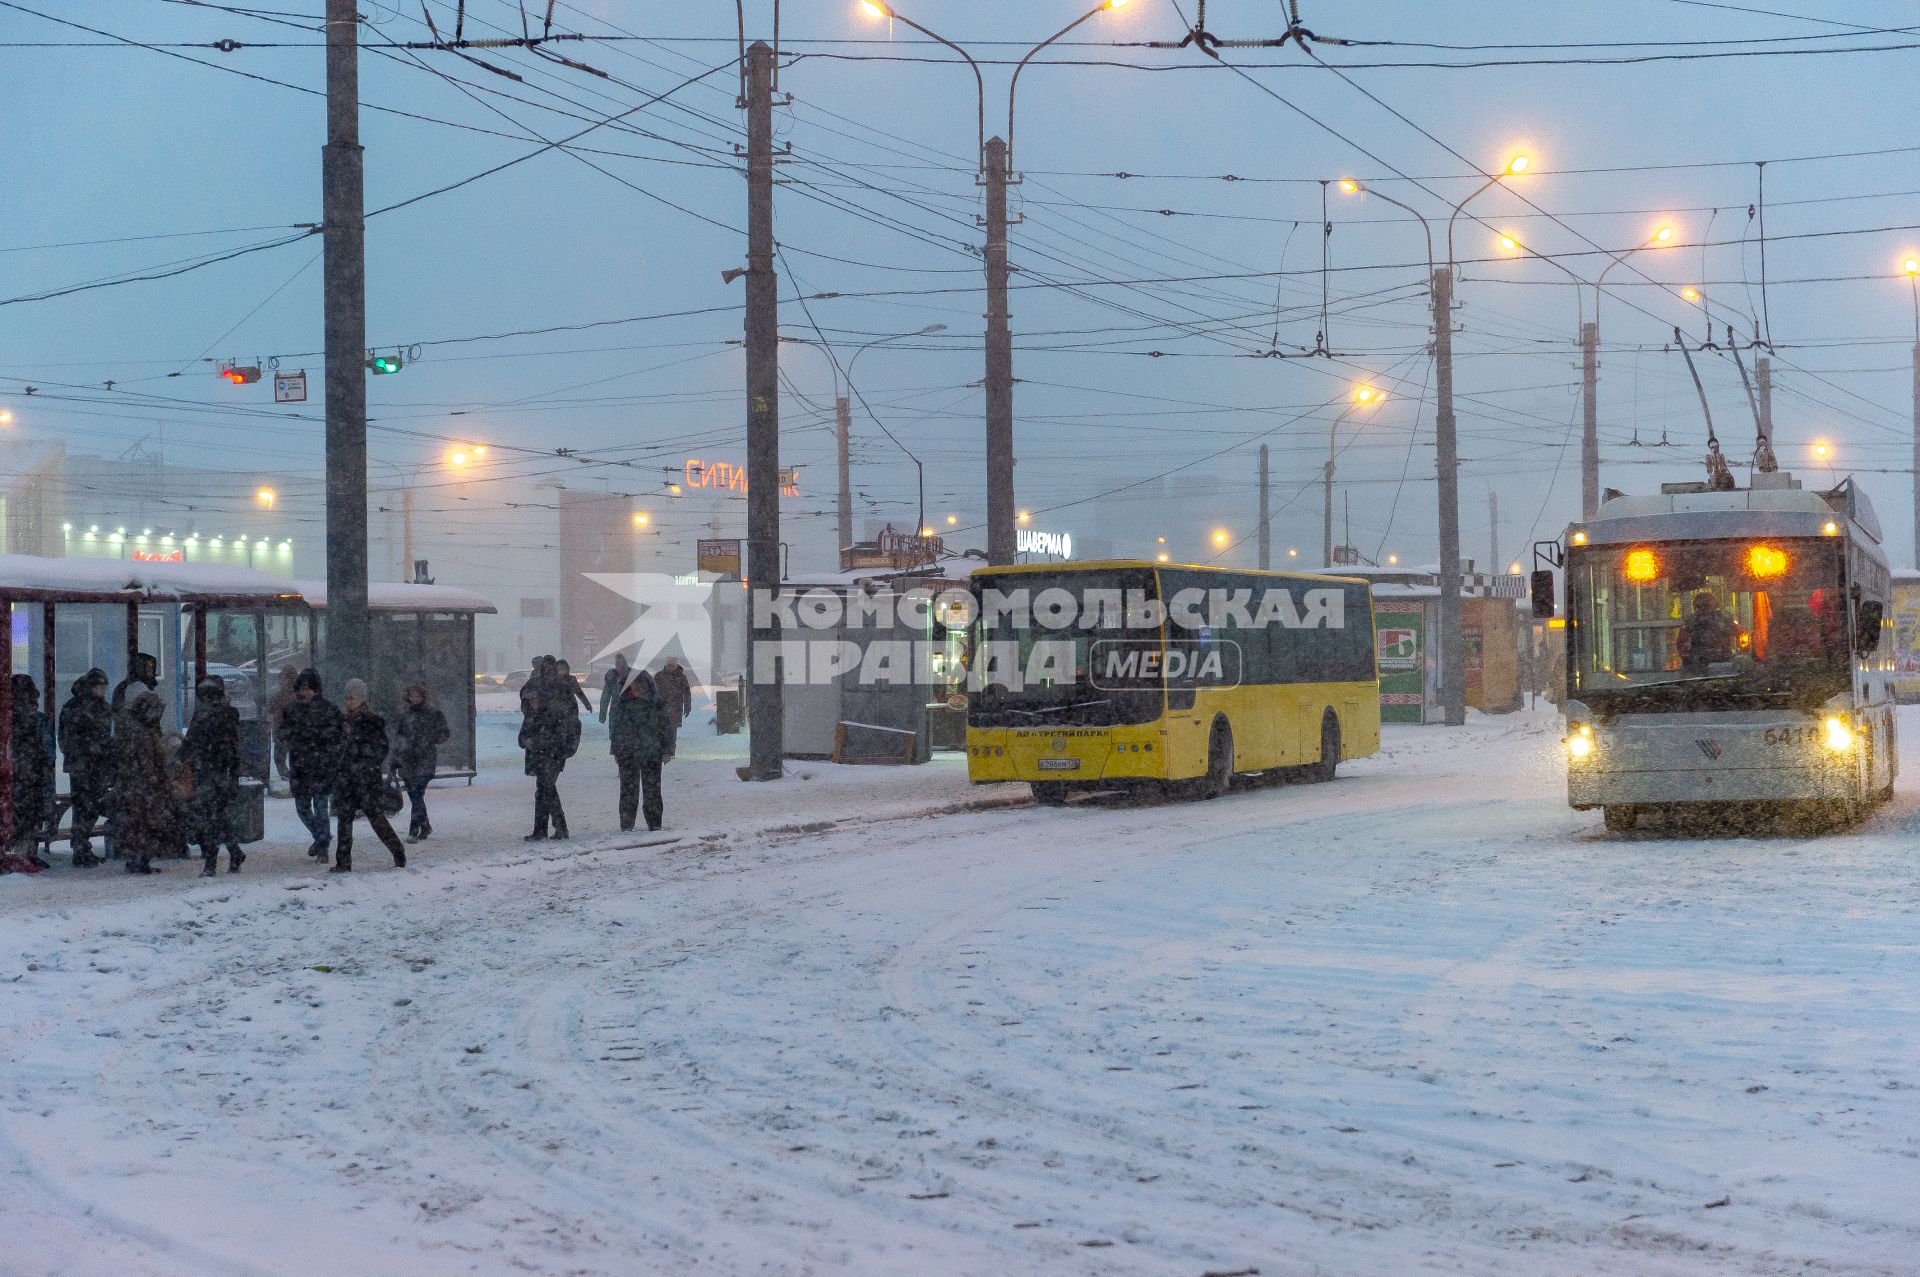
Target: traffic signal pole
766,744
344,299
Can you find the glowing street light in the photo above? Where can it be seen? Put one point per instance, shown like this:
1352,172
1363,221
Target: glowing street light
1364,396
1221,537
6,417
1025,516
953,520
1911,266
641,519
266,497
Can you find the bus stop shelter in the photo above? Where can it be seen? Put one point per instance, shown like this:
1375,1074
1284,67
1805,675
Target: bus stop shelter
423,634
65,616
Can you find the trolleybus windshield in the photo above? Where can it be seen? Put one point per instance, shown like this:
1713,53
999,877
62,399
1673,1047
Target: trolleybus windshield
1708,624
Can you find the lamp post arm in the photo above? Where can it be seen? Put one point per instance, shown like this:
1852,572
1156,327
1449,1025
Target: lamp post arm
1425,225
1461,207
979,84
1015,83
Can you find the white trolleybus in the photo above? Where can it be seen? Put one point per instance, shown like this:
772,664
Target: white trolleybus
1726,647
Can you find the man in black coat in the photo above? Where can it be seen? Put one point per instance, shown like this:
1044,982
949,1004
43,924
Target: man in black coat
359,787
676,694
419,730
638,733
145,677
212,751
612,684
314,738
86,741
549,733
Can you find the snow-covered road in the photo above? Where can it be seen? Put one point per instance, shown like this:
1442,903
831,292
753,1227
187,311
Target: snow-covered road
1422,1019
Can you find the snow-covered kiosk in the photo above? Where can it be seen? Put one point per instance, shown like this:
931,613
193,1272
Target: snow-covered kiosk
420,633
66,616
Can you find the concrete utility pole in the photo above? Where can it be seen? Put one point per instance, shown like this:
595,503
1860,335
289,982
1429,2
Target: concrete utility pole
764,709
999,386
406,533
1266,514
344,284
1453,666
1493,530
843,429
1916,451
1763,396
1589,419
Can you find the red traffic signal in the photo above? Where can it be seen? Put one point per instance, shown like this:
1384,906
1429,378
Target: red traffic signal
241,376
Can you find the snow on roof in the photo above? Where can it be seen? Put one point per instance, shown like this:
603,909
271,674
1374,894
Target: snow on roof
397,596
32,573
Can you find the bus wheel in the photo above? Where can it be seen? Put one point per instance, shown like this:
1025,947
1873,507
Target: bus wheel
1619,818
1049,793
1219,776
1329,749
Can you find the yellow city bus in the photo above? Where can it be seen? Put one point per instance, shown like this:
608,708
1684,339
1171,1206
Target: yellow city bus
1108,674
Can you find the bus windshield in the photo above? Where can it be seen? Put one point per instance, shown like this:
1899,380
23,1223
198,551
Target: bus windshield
1707,624
1068,615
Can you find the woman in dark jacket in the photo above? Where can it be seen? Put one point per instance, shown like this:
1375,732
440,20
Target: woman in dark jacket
549,733
359,786
418,733
86,741
639,731
143,806
33,779
212,753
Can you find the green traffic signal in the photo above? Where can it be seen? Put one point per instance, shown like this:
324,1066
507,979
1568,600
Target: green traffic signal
384,364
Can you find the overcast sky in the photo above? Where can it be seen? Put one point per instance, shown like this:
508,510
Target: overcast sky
1119,380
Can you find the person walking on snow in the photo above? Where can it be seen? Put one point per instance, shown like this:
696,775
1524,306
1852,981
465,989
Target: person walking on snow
549,733
143,786
613,684
639,730
676,693
313,729
86,741
276,717
572,684
359,789
418,733
212,755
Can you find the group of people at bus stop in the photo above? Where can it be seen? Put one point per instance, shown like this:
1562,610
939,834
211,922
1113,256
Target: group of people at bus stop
155,795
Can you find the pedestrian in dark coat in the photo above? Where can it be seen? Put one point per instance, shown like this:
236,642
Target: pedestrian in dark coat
143,787
211,756
313,728
418,733
86,742
572,685
360,786
145,675
276,717
549,733
613,684
638,730
33,771
676,694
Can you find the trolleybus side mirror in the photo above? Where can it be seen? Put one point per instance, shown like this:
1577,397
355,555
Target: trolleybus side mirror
1866,626
1541,588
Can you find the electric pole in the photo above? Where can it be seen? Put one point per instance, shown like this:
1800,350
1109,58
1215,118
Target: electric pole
1916,451
764,709
999,383
1493,531
1589,418
344,301
843,427
1453,666
1266,513
1763,396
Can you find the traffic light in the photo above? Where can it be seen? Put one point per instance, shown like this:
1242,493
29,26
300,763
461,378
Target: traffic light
384,364
241,376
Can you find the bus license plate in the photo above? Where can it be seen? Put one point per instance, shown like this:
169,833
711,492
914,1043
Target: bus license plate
1059,764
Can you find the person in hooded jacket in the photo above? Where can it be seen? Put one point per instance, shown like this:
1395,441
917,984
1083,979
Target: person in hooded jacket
359,787
418,733
143,786
86,741
314,739
549,733
564,672
277,715
212,752
33,771
639,733
676,694
612,684
145,676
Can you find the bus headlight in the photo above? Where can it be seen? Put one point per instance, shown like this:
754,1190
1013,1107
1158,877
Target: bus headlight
1579,740
1839,737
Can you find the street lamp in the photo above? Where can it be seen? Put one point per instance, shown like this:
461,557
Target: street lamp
455,459
996,170
1911,266
266,497
919,470
1363,397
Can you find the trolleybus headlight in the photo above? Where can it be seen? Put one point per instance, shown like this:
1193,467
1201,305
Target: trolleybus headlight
1579,740
1839,736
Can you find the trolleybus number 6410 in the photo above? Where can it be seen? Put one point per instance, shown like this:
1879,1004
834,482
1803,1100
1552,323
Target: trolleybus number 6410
1792,736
